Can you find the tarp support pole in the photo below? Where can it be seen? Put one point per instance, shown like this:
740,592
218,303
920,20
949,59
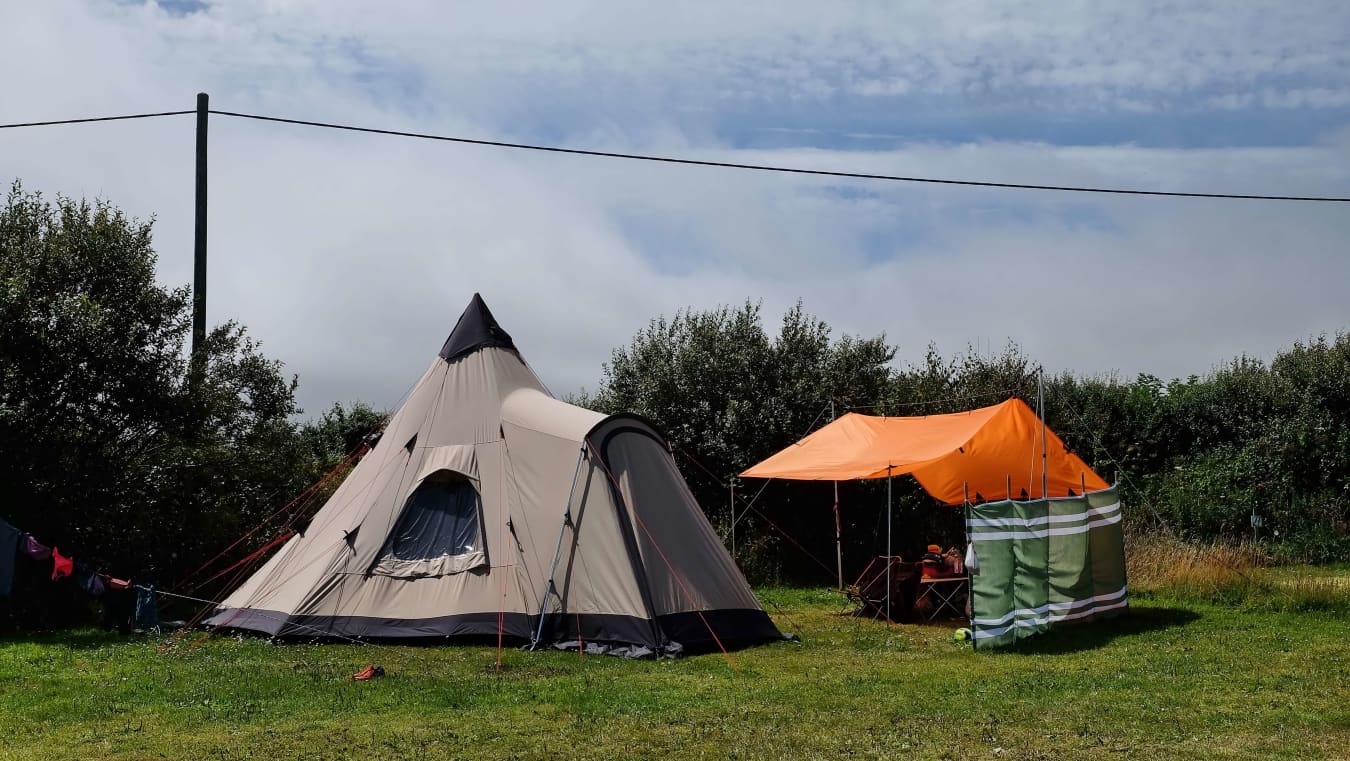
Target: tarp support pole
733,519
838,524
551,588
1045,463
889,559
838,538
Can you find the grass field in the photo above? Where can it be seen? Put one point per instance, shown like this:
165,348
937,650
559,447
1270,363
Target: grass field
1174,678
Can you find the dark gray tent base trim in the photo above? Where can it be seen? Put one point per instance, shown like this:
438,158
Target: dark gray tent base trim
734,628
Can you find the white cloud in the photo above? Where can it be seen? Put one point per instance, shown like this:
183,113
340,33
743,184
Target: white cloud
351,255
1231,101
493,61
1306,97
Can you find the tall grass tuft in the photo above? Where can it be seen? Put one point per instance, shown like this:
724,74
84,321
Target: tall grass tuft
1232,574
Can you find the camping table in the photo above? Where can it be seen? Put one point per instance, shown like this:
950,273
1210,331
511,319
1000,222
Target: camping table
944,592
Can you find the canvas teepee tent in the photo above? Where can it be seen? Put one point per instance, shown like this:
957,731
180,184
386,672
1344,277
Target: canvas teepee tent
489,506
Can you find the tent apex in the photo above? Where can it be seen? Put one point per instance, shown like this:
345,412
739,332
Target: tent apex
475,329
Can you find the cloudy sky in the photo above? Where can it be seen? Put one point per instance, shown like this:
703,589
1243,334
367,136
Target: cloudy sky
350,256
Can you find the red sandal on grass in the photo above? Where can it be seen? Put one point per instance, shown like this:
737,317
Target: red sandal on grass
368,673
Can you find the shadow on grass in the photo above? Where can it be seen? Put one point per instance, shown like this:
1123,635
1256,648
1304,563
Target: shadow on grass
76,639
1095,634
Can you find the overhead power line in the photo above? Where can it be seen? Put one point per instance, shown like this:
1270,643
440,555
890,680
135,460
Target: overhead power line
770,168
702,162
89,119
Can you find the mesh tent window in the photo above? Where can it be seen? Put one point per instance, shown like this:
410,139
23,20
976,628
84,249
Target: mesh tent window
438,532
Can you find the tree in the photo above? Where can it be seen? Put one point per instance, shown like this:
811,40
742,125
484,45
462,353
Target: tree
106,448
726,395
336,442
340,431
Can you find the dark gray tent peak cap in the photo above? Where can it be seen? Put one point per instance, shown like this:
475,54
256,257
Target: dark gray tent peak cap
476,328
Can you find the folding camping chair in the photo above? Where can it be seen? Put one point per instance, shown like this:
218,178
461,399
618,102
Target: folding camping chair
869,590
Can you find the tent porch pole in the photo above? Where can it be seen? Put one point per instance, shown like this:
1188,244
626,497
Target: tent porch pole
557,553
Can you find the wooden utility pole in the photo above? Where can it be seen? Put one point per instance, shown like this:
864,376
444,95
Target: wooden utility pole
199,240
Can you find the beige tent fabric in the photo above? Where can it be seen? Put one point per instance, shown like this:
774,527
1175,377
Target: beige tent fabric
638,563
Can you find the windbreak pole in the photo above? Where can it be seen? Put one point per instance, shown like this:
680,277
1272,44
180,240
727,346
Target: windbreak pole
970,580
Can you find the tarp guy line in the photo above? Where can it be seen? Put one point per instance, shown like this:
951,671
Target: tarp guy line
693,603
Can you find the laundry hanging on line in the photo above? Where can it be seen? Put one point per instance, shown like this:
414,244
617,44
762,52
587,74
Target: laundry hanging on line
147,608
35,549
88,579
61,566
14,541
124,602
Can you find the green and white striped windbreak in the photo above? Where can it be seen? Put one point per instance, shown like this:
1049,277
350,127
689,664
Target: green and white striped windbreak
1045,562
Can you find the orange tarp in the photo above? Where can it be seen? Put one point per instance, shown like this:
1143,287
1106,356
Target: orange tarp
983,450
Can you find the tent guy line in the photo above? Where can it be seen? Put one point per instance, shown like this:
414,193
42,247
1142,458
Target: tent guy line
701,162
1122,472
299,502
1003,393
750,506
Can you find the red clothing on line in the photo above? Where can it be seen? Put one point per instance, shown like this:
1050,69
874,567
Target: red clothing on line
61,566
